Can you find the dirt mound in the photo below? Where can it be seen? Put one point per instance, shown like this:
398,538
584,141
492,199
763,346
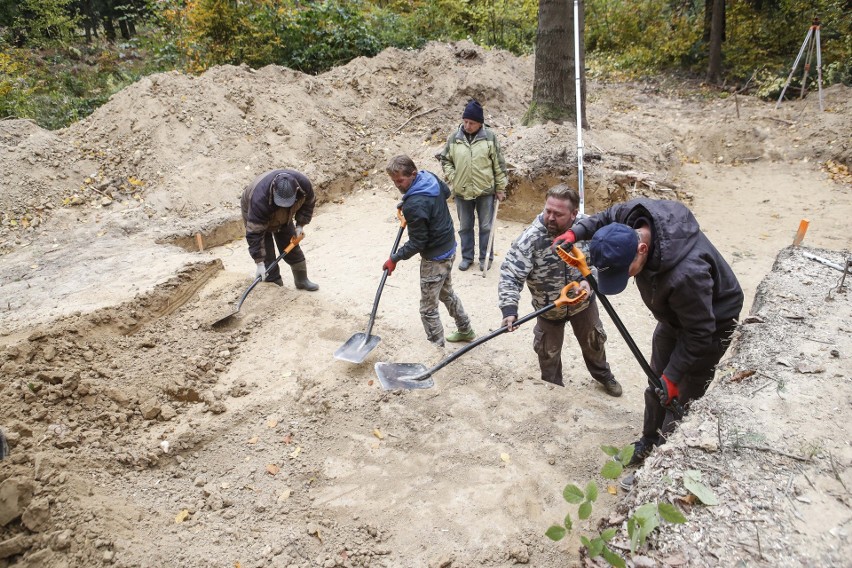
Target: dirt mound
131,421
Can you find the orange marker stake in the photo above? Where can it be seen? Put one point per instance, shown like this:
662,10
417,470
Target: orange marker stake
800,234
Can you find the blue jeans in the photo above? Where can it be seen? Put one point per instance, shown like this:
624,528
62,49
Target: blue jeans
483,208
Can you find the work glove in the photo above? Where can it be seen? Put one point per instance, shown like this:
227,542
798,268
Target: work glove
389,265
261,271
298,231
566,237
668,392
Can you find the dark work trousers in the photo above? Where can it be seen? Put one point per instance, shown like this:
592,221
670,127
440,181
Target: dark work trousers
281,237
483,208
548,336
691,386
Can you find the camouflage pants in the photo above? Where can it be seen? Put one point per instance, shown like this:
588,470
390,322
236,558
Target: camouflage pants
548,336
436,284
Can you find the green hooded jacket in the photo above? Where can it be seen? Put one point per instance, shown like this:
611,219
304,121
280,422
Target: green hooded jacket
474,168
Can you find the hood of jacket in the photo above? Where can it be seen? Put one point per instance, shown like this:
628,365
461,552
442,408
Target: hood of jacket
424,183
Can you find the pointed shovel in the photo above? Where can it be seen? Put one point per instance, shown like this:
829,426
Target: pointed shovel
409,376
359,345
487,264
222,321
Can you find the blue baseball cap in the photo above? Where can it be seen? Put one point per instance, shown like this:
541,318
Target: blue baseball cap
612,249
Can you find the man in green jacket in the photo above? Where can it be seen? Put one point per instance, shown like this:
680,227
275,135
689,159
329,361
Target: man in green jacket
474,166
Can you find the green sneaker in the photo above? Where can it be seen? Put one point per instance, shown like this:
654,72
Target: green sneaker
458,336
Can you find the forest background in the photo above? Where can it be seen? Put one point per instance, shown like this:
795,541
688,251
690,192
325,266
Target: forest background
61,59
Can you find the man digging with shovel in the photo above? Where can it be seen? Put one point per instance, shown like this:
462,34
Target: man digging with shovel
531,259
270,204
685,283
430,233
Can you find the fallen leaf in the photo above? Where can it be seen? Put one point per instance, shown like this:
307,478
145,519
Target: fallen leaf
688,499
612,490
252,440
182,516
272,469
378,434
505,457
296,452
740,375
272,424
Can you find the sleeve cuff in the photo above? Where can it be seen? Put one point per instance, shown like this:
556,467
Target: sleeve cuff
509,311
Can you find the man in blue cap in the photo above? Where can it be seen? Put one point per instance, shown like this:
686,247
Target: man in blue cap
689,288
474,166
275,207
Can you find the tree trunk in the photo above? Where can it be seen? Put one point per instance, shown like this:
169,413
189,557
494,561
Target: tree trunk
554,85
717,31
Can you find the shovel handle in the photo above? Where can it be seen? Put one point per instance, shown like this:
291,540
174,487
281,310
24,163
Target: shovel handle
294,240
575,257
372,320
562,300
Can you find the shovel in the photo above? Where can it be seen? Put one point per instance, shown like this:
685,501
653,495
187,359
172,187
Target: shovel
577,259
222,321
490,246
359,345
408,376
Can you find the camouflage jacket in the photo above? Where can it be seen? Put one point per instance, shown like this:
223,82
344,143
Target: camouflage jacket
530,259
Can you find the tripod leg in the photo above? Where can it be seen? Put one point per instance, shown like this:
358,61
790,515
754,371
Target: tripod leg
819,69
795,64
808,58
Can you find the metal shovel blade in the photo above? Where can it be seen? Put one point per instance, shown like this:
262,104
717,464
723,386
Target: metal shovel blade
405,376
357,347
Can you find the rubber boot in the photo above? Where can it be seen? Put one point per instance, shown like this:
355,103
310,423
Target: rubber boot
300,277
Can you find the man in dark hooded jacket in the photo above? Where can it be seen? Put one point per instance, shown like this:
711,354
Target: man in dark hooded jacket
270,206
430,233
689,288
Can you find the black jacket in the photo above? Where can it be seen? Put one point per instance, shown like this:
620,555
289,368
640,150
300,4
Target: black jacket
261,215
685,283
427,217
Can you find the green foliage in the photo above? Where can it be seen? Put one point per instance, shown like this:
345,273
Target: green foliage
43,22
639,525
631,39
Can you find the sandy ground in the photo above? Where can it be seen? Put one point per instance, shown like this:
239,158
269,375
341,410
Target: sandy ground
141,436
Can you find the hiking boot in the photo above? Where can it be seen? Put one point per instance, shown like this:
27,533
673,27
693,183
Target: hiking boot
458,336
278,281
627,482
611,386
465,264
642,449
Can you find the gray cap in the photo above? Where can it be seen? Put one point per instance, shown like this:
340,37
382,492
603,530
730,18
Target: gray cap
283,190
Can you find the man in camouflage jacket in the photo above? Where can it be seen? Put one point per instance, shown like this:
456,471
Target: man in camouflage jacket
532,260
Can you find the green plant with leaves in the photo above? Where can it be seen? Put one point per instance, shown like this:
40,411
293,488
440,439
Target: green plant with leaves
640,524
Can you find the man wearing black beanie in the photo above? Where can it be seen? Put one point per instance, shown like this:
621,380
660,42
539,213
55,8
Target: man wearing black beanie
474,166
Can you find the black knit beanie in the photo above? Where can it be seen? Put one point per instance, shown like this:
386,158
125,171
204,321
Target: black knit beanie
473,111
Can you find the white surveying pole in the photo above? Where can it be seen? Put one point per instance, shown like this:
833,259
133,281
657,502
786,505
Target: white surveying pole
578,93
